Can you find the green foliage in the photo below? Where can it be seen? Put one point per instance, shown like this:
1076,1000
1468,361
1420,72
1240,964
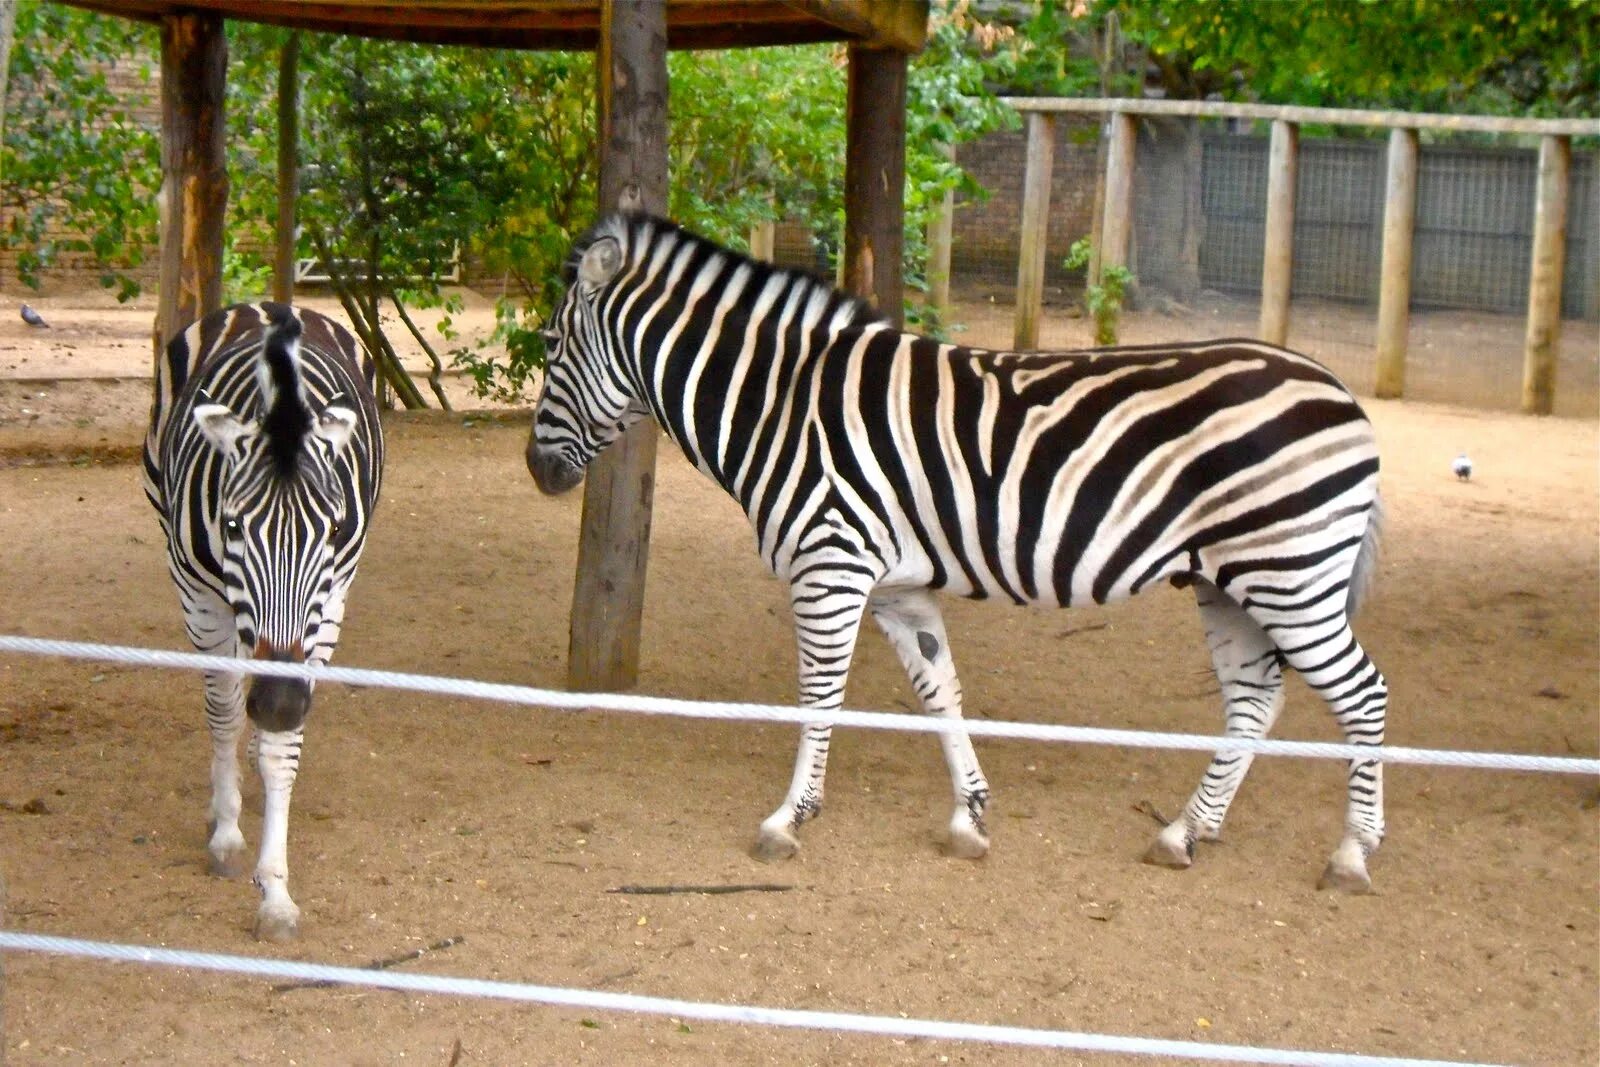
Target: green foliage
1103,299
1528,57
81,170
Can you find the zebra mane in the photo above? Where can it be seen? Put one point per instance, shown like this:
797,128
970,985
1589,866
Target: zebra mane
286,418
637,231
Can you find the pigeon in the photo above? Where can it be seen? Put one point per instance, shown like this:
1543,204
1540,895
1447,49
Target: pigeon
33,318
1462,466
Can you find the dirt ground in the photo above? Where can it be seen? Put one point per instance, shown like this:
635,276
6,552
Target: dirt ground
418,818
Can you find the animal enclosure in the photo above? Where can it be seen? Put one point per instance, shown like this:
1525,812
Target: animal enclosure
420,819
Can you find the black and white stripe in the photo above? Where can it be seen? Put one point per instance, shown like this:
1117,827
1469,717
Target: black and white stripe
877,467
263,461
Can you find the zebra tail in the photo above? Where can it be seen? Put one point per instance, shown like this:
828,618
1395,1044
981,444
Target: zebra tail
1365,571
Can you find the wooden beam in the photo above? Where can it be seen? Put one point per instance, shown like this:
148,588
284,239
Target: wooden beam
1330,116
1035,229
614,542
875,179
194,175
283,257
1117,228
1394,285
1546,270
1277,260
897,24
941,233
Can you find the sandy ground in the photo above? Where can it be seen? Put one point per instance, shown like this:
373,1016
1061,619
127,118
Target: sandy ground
418,819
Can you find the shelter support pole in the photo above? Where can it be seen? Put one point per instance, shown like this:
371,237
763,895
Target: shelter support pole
194,173
875,179
1035,236
1546,270
1277,261
941,233
1394,286
764,234
614,541
288,168
1116,229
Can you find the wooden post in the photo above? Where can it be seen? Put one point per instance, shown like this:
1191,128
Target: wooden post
288,167
1277,261
1394,286
614,543
1035,237
1117,228
875,179
194,174
941,230
1544,276
764,235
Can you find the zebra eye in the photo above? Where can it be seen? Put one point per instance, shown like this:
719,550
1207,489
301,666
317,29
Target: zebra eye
551,337
231,526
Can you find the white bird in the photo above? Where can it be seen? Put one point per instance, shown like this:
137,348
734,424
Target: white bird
1462,466
33,318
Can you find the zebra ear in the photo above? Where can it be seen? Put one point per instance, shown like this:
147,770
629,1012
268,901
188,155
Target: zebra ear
336,425
600,262
221,427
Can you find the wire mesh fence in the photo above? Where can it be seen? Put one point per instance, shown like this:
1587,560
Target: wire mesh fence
1199,226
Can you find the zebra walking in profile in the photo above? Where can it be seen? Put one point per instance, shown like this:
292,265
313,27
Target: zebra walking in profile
877,466
263,461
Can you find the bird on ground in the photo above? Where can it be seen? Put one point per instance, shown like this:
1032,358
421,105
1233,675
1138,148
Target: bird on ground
33,318
1462,466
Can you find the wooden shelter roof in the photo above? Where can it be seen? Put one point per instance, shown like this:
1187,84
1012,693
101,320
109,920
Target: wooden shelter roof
567,24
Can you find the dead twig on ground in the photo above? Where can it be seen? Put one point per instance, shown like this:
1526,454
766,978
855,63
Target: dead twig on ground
377,965
666,890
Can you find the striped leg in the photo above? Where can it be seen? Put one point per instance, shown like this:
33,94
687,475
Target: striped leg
277,756
1249,669
911,619
225,717
828,594
1316,639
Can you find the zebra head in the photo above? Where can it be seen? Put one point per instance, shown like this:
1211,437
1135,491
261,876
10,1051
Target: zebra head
277,521
587,400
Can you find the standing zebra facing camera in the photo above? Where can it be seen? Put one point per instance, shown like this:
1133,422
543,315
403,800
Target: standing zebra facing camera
877,466
263,461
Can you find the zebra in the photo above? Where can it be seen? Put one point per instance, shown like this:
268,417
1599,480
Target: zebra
263,461
877,467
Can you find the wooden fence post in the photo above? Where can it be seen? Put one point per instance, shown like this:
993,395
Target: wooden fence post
1117,228
1277,260
1035,237
1545,273
1394,285
875,179
288,168
194,172
619,489
941,230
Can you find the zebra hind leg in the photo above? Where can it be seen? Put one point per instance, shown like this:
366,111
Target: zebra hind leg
914,625
1249,669
1324,650
225,717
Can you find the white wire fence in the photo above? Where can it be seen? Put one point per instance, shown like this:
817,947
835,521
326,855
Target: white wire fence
738,1013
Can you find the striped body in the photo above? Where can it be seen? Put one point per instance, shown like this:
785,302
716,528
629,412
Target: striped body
263,460
876,466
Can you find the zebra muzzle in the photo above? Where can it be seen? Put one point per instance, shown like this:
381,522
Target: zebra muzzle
277,704
552,472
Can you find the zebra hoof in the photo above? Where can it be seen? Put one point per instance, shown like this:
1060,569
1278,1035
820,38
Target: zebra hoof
1347,869
966,841
228,864
278,926
1171,849
775,844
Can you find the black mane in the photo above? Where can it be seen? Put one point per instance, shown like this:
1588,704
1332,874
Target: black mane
287,422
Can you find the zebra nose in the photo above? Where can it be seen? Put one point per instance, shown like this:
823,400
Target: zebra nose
552,472
278,704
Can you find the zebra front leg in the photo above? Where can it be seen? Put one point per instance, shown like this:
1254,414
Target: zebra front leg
915,626
225,717
278,762
828,605
1249,670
